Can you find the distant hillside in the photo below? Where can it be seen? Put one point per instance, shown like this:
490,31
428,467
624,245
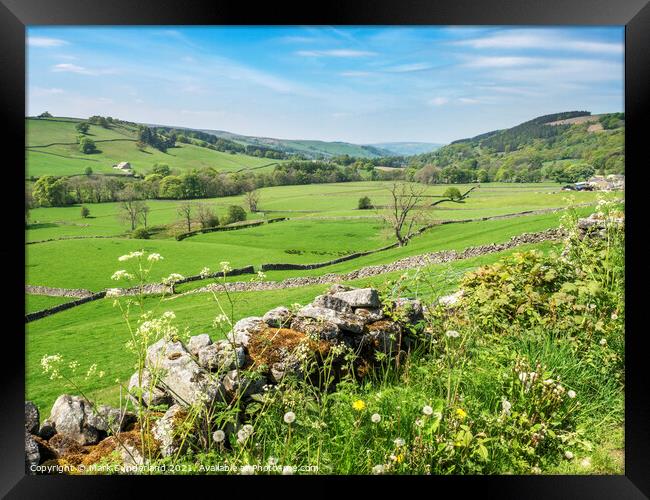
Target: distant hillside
309,148
408,148
53,149
565,147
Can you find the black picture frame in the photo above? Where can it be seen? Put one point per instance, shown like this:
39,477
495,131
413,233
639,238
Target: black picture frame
15,15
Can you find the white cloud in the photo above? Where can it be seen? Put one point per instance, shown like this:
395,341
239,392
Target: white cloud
335,53
409,68
81,70
42,92
39,41
438,101
541,39
355,73
468,100
500,61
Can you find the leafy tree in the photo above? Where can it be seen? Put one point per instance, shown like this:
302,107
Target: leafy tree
82,127
482,175
130,206
50,191
85,211
365,203
235,213
171,187
88,171
45,114
87,146
141,233
161,169
453,193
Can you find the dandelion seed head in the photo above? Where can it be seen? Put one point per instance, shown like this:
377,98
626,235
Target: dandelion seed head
427,410
375,418
219,436
289,417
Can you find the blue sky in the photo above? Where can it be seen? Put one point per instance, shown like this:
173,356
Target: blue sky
355,84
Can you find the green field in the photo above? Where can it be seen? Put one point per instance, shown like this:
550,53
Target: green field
96,333
52,150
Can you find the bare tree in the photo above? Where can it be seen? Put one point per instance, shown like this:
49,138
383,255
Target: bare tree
206,216
405,210
405,197
130,206
185,210
144,213
252,198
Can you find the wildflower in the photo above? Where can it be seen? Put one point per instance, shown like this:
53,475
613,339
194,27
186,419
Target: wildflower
289,417
461,413
225,267
378,469
603,341
204,272
242,436
399,458
169,315
506,406
247,470
536,470
586,462
121,274
261,275
101,374
452,334
614,316
73,365
375,418
131,256
154,257
568,455
399,442
359,405
287,470
218,320
172,278
419,422
219,436
427,410
272,461
571,394
91,370
248,429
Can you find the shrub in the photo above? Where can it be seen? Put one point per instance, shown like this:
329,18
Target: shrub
85,211
88,171
365,203
452,193
235,214
87,146
140,233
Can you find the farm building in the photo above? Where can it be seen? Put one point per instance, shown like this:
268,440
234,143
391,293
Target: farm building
124,165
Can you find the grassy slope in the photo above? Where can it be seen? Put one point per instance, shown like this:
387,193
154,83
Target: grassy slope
309,201
96,259
35,303
67,160
102,341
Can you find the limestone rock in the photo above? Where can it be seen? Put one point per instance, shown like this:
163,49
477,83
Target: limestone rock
32,456
360,297
369,315
239,382
323,330
73,417
280,317
198,342
181,375
451,300
332,302
47,430
344,321
242,330
383,336
151,395
165,430
32,418
409,309
221,356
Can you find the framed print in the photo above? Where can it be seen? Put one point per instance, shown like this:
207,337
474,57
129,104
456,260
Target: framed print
370,241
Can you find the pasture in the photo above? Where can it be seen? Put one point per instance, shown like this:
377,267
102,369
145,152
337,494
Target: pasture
52,150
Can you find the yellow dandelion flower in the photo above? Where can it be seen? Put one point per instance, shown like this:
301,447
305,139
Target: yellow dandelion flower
460,413
359,405
399,458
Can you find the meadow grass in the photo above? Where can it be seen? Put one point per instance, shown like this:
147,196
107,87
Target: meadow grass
95,332
66,159
35,303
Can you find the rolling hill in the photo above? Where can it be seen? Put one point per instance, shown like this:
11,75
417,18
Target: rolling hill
52,149
408,148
